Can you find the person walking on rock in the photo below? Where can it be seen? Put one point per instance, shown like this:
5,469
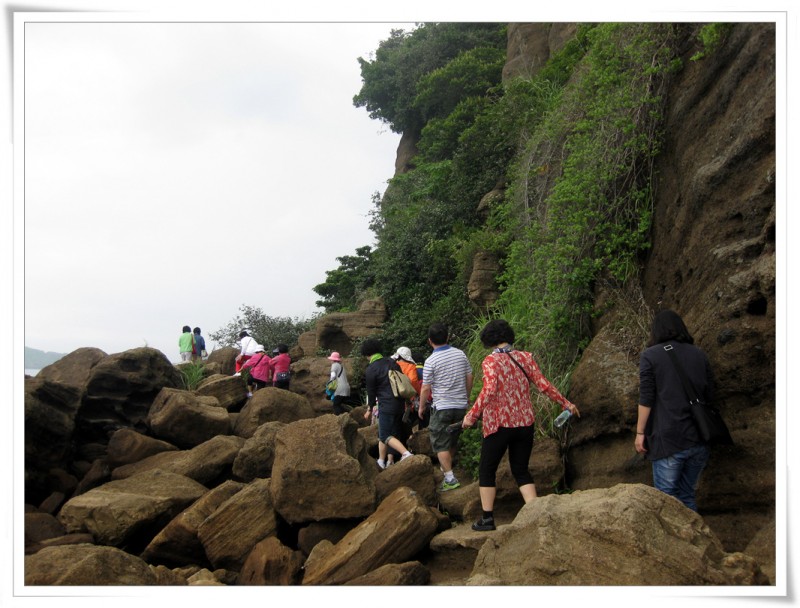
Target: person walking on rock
665,430
447,377
249,347
281,376
185,344
342,391
199,350
260,367
379,391
504,405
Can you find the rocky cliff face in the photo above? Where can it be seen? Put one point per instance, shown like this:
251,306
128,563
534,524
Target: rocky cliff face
712,260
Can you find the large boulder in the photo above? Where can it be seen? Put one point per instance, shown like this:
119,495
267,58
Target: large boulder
177,416
208,463
177,543
225,358
132,509
257,455
271,405
73,369
630,534
229,534
415,473
271,563
229,391
86,565
120,390
338,331
50,410
331,478
127,446
399,529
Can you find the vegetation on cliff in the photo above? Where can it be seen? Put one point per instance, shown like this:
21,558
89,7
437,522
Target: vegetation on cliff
572,150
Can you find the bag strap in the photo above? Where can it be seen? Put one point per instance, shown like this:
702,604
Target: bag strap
688,387
519,366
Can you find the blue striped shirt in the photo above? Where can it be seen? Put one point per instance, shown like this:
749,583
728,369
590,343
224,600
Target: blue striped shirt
446,371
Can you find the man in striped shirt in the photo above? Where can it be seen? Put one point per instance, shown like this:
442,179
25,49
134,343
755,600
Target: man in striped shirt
447,378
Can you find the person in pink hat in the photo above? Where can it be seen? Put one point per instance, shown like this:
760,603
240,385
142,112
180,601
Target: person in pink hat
342,391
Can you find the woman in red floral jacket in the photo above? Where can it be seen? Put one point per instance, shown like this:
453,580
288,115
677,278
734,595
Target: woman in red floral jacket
504,404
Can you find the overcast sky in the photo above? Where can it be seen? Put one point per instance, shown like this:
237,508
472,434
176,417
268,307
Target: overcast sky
176,171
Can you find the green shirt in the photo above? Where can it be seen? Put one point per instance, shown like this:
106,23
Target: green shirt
185,342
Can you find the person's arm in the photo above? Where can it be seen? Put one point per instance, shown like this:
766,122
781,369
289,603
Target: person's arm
641,425
546,388
424,394
489,388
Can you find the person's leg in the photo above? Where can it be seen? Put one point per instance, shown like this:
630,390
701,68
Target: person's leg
488,495
394,441
519,454
695,461
667,473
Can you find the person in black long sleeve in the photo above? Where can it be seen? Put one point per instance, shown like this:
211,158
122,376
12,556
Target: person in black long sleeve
390,408
665,431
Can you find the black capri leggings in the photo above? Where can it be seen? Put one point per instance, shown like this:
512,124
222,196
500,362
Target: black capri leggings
519,442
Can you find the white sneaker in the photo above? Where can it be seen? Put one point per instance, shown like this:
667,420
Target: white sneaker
406,455
389,463
381,464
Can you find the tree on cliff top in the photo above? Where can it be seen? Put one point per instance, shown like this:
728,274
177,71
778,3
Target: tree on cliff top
389,90
267,331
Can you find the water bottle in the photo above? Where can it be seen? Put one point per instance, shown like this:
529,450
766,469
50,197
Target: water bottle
562,418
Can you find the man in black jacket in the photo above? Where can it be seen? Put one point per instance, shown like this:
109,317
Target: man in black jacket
390,408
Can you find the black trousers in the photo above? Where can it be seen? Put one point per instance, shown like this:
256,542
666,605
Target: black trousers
519,443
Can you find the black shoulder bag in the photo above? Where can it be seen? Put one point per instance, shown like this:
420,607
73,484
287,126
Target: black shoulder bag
707,418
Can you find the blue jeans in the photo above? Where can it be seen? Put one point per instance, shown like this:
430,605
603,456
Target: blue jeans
677,475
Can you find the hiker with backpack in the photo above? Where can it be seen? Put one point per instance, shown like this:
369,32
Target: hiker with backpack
379,392
339,384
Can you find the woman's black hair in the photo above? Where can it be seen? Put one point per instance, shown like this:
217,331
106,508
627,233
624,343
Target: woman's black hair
282,348
186,328
243,334
197,330
496,332
370,346
668,325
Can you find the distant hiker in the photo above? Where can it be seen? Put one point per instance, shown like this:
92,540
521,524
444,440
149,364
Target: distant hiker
260,367
379,390
199,345
665,430
504,405
341,390
447,377
185,344
281,375
249,347
405,360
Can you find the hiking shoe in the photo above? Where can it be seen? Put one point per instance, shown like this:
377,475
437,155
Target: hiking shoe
406,455
381,464
484,524
449,485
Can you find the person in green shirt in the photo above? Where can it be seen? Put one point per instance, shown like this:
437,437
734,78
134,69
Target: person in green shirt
185,344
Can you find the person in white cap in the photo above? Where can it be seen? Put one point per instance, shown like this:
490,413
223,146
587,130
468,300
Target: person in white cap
342,391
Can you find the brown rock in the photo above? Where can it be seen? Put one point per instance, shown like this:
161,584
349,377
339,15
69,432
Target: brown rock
331,531
630,534
334,480
229,391
340,330
176,416
399,529
271,563
89,565
225,358
205,463
73,369
415,473
233,529
178,543
257,455
119,510
41,526
271,405
408,573
126,446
